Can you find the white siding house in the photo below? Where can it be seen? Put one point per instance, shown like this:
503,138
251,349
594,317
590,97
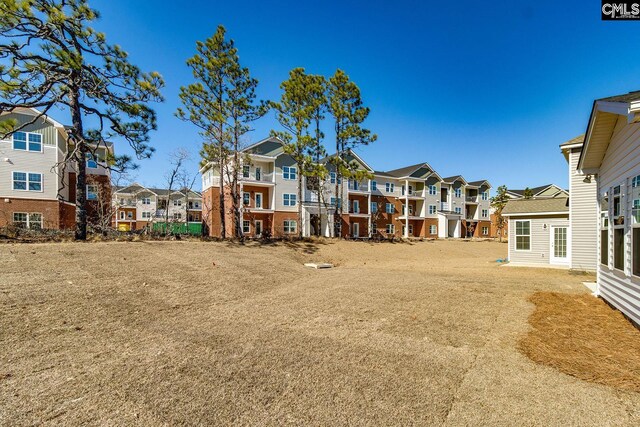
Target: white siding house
611,154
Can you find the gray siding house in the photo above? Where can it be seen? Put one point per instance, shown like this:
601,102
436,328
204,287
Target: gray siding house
539,232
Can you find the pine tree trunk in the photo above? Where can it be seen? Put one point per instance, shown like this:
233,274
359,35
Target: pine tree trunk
299,202
223,220
81,171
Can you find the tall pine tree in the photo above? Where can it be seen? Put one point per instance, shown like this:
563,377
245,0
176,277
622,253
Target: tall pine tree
348,113
52,58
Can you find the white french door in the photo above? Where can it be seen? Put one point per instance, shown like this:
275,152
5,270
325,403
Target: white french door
559,238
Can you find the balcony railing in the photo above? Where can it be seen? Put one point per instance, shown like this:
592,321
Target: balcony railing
472,199
262,177
444,206
353,186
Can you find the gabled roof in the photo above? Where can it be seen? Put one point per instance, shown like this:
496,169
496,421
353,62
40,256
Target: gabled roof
578,140
602,121
419,171
479,183
626,98
348,153
535,191
536,206
136,188
452,179
270,147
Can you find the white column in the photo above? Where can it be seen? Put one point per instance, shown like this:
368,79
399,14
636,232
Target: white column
406,208
369,230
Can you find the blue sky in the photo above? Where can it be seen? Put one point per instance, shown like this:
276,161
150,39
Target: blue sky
483,89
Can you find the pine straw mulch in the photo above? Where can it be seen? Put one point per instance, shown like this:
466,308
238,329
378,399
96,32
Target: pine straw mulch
584,337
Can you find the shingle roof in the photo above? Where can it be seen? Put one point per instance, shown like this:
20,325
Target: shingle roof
381,173
453,178
478,183
533,206
407,170
534,190
577,140
627,97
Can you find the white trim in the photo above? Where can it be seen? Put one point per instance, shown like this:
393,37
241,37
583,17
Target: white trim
27,182
536,214
515,235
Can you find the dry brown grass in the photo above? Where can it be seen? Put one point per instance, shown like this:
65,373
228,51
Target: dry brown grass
166,333
584,337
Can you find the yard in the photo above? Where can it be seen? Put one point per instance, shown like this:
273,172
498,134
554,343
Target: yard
155,333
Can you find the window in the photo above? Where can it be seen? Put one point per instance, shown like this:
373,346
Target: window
618,248
246,198
27,181
389,187
129,215
404,228
433,190
485,231
146,201
433,209
92,192
618,228
289,172
604,230
290,226
28,220
356,206
411,190
245,171
374,207
122,214
635,226
258,200
27,141
333,179
433,229
246,227
177,215
485,213
91,161
374,186
458,210
355,185
289,199
523,235
146,215
390,208
391,229
484,195
457,192
333,202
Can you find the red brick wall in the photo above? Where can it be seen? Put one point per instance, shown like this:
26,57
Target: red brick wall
50,210
67,216
363,224
383,218
252,190
493,231
362,201
278,223
427,224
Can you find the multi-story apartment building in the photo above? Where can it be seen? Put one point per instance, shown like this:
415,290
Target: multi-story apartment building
136,206
37,186
413,201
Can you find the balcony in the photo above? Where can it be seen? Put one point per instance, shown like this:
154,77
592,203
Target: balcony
260,178
359,186
471,199
444,206
130,203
